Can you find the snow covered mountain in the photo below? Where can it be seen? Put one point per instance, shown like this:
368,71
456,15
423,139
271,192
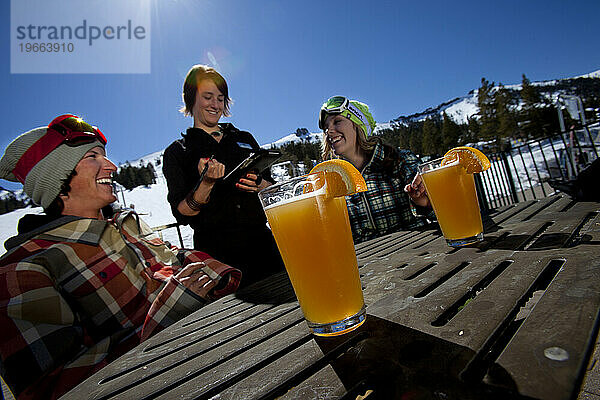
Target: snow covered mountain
464,107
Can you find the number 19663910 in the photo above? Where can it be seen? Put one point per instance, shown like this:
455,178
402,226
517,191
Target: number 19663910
28,47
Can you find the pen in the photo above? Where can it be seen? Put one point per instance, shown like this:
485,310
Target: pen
203,173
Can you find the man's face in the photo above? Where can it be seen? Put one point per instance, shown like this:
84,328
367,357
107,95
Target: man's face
91,187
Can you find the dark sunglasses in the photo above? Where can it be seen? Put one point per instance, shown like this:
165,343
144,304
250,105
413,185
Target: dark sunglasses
68,129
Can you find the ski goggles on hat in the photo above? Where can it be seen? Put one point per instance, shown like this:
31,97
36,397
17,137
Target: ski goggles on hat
75,131
341,105
68,129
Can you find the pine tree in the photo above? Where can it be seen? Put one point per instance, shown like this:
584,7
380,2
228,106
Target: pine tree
416,138
531,119
488,122
529,93
151,173
9,203
451,133
403,137
473,131
432,142
506,121
308,163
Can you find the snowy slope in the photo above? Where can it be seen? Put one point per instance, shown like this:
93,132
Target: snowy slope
464,107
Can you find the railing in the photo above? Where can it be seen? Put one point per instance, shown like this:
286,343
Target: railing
525,172
159,229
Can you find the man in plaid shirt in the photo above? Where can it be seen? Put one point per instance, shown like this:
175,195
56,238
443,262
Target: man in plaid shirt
78,290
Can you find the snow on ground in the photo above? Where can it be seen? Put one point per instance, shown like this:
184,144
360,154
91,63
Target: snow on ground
530,166
462,110
595,74
151,203
8,223
292,137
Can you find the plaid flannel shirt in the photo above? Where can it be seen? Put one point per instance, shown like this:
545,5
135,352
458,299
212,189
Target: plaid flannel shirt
80,293
385,207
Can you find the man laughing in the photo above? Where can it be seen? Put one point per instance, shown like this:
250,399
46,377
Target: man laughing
77,288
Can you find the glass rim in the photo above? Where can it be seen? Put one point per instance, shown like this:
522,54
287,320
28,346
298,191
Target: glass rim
437,162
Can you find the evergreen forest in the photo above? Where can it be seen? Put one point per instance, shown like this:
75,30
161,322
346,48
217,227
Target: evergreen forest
505,114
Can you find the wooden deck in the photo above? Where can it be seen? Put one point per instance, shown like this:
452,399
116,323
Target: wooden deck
513,317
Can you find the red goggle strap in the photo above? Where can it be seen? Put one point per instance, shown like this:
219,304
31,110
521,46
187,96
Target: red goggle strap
34,154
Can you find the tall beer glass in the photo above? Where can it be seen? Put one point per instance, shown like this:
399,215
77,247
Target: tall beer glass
451,191
313,234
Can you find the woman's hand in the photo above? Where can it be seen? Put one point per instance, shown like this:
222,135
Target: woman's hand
253,183
194,278
192,204
417,193
215,171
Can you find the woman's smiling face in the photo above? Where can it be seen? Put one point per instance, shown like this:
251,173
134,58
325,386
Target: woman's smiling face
340,132
209,105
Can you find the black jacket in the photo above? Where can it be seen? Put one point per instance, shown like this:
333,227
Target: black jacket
232,226
180,167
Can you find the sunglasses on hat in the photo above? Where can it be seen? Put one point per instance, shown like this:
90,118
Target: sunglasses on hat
341,105
66,129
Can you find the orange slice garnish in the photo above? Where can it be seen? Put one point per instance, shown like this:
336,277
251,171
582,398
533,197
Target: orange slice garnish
473,160
342,177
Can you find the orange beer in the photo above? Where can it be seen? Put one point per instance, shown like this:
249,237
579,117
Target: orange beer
451,191
315,241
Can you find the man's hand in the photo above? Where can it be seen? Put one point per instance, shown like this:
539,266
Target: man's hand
194,278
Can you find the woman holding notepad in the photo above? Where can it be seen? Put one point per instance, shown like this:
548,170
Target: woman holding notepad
226,215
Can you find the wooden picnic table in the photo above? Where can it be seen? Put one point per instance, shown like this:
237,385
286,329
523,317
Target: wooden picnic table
515,316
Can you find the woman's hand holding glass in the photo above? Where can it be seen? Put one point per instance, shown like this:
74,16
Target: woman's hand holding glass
417,193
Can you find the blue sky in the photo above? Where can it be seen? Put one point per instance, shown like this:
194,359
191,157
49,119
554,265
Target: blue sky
282,59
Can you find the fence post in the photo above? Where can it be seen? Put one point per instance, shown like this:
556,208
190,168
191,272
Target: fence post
481,197
180,238
509,177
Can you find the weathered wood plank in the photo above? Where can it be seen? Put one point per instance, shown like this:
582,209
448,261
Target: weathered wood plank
325,384
187,353
533,208
257,383
396,244
545,357
467,327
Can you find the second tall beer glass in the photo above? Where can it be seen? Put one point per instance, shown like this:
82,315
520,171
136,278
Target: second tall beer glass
451,191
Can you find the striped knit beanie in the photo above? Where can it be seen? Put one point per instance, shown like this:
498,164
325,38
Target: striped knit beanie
43,182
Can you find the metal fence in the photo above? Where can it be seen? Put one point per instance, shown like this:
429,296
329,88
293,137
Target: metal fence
527,171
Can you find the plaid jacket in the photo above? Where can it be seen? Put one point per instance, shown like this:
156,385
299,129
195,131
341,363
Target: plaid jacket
385,207
78,292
